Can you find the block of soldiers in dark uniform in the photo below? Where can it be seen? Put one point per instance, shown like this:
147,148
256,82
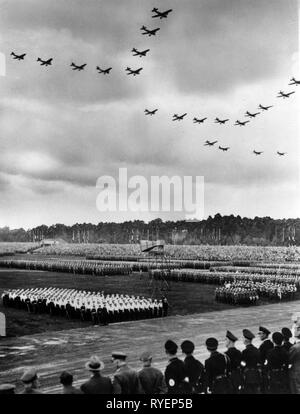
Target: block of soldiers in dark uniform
97,384
216,369
175,371
126,380
7,389
265,346
194,369
294,361
66,380
277,366
287,335
251,365
151,379
31,382
235,357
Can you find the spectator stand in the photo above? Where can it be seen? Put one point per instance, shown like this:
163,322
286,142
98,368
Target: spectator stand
157,258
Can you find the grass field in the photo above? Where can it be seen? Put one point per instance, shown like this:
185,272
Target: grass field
184,298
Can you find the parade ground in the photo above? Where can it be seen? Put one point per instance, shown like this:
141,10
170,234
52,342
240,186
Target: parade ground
53,352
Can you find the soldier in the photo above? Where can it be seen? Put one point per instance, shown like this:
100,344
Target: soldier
151,379
175,371
165,306
287,334
265,346
251,362
235,357
194,369
277,366
66,380
126,380
216,369
31,382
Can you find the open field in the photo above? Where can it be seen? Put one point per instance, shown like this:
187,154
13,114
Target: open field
184,298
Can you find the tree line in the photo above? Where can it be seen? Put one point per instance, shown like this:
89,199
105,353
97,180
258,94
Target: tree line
222,230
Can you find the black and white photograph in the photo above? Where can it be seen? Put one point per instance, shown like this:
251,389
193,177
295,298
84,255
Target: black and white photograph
149,199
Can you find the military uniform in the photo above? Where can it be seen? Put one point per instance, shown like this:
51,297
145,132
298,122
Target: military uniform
216,369
235,357
175,375
251,359
277,367
194,369
264,348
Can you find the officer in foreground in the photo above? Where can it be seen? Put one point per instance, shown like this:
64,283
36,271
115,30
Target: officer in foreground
151,379
194,369
126,380
251,362
175,371
235,357
217,368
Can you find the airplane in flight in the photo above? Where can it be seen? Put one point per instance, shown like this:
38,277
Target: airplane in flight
133,72
138,53
220,121
178,117
284,95
224,148
281,154
45,62
240,123
161,15
199,121
294,82
252,115
79,68
149,32
210,143
104,71
147,112
257,152
18,57
265,108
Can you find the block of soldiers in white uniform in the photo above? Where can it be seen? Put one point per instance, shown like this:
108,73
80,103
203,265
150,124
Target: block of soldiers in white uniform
277,366
194,369
251,365
265,346
235,357
151,379
126,379
216,369
175,373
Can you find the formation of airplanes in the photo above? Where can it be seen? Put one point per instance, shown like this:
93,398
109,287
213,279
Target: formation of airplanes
134,72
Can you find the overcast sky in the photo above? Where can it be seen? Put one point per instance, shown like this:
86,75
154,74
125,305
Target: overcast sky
62,129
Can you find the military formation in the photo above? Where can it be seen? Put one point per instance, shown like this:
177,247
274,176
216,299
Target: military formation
83,267
272,368
249,292
95,307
